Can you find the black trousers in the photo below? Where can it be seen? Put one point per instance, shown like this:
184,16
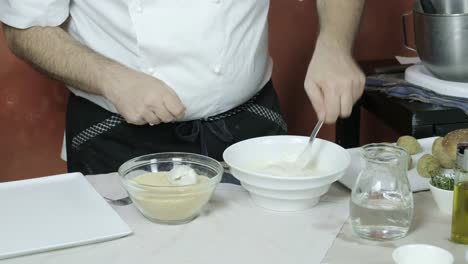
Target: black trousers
99,141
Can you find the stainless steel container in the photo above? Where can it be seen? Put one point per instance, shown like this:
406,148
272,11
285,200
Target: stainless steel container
442,43
451,6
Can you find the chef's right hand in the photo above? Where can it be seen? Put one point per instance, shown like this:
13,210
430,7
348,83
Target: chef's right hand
140,98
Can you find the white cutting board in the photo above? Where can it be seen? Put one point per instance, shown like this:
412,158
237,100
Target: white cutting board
417,182
54,212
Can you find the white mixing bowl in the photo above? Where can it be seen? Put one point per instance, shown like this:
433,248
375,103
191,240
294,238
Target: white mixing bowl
286,193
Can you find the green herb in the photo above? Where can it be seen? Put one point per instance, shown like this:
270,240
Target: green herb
444,182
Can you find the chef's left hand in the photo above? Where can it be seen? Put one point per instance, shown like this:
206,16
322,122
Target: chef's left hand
333,82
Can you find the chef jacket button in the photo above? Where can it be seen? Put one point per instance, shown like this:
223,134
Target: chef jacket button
217,69
150,70
139,9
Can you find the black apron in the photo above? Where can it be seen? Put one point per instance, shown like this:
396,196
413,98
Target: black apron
99,141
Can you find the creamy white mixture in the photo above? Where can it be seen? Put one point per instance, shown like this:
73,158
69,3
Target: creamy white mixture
182,175
287,165
287,169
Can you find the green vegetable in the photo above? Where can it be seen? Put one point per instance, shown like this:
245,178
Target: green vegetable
444,182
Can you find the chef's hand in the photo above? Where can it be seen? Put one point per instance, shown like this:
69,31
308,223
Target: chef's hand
333,82
141,98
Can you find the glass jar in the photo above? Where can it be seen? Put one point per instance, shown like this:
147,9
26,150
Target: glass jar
381,200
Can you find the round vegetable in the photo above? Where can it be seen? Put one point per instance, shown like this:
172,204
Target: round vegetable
409,143
441,155
428,166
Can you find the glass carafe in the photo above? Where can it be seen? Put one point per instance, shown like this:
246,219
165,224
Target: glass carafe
381,200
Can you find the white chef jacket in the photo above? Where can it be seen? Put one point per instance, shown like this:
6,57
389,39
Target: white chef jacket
213,53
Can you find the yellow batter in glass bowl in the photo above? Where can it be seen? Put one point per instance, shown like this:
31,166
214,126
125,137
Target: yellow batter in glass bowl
150,183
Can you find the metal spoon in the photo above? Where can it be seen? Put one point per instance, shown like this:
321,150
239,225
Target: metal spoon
305,157
119,202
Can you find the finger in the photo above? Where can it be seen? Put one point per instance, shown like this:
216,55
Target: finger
316,98
358,86
332,103
151,118
134,119
346,105
174,105
163,114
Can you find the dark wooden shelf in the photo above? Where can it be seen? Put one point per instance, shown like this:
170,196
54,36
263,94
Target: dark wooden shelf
405,116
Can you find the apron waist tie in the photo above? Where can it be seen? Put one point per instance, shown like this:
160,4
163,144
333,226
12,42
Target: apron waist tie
196,130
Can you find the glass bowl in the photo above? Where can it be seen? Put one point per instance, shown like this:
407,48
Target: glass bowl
170,204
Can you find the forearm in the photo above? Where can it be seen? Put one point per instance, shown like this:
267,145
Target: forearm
339,22
55,52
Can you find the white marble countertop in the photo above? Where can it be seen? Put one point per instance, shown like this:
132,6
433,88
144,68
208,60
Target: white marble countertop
231,230
262,237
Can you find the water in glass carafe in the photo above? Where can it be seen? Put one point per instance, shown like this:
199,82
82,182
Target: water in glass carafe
381,200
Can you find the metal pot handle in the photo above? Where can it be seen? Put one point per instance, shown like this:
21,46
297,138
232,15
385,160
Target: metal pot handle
405,33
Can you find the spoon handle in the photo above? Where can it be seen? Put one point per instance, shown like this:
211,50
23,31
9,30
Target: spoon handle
314,133
304,158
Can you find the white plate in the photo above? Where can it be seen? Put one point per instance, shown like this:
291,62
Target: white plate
54,212
417,182
419,75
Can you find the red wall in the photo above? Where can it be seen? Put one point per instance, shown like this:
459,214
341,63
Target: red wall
32,107
32,110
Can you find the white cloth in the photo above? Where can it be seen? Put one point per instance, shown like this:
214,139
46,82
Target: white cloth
213,53
231,231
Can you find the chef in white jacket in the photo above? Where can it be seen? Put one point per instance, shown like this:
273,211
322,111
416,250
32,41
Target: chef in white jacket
174,75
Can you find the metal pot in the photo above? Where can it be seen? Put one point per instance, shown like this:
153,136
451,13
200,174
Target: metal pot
451,6
441,43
